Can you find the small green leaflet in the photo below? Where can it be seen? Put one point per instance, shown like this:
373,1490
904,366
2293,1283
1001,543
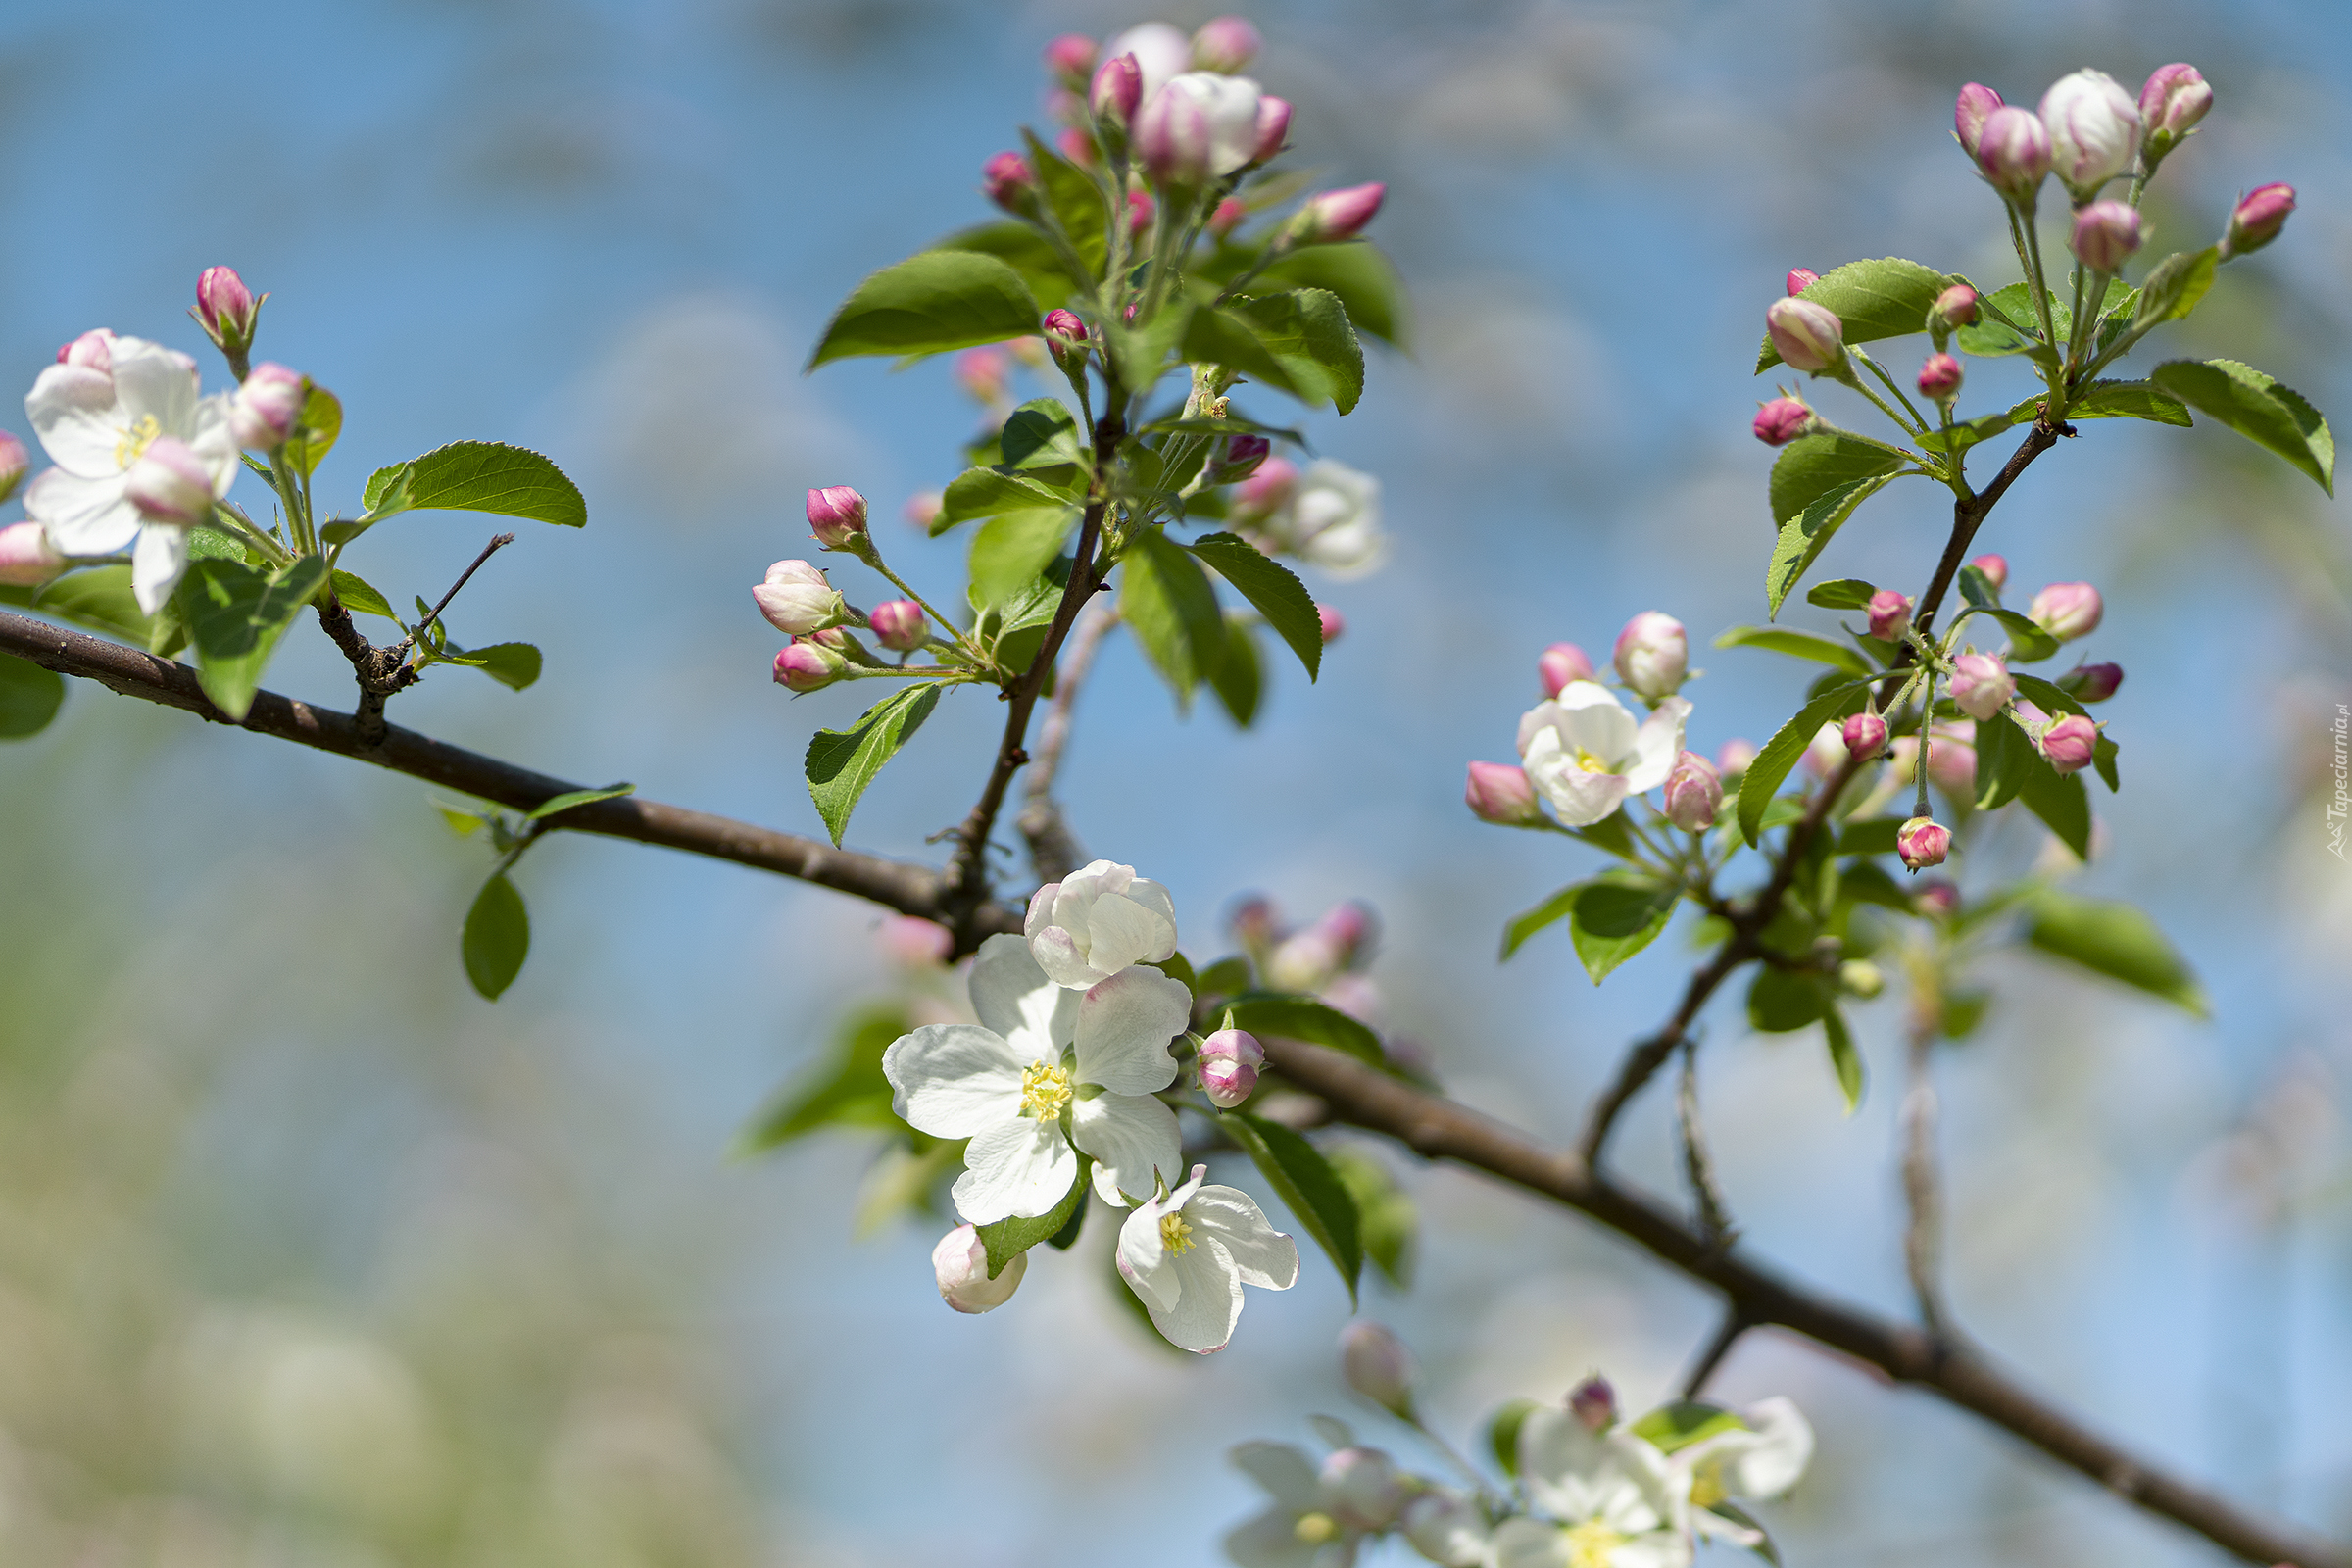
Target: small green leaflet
1284,1016
1813,465
1043,433
2028,642
235,615
497,938
1969,432
572,798
1307,1185
1297,342
2173,289
1026,250
1799,645
1011,551
1885,298
1367,286
30,697
842,762
1845,1058
97,597
358,597
1683,1422
2258,408
1616,918
978,493
1804,537
1780,1000
1502,1433
2114,940
1171,607
845,1090
1989,339
1845,593
1272,588
1077,204
471,476
1780,754
1239,681
314,432
929,304
1386,1214
2110,399
1008,1239
512,664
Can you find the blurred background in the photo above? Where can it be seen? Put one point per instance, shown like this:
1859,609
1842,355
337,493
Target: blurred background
310,1256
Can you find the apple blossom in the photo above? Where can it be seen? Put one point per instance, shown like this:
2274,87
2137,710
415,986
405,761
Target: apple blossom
1328,516
804,664
1974,106
1694,793
1864,735
1653,655
1336,214
1070,58
2105,234
1297,1530
1227,44
1332,624
1923,842
2013,149
2257,218
1500,793
1230,1062
1782,421
1940,378
2093,128
797,600
1733,757
2091,683
1957,306
13,461
1199,126
1583,752
1801,278
1188,1254
1446,1528
898,624
1014,1084
97,412
264,410
984,373
960,1263
1265,492
922,509
2067,609
1982,684
1561,664
836,516
1616,1501
1757,1460
1378,1366
1096,921
28,561
2070,743
1825,753
1809,336
1363,1488
170,483
1995,570
227,309
1160,51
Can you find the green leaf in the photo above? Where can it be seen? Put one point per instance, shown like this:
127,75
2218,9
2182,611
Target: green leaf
1780,753
2061,800
1011,551
2114,940
2115,400
1387,1217
1285,1016
2003,756
1883,297
474,476
497,938
1846,1061
1023,249
1076,201
572,798
30,697
1307,1185
1969,432
1008,1239
1239,681
929,304
1273,589
1043,433
235,615
358,597
315,431
1550,911
1227,977
1297,342
2257,408
2174,286
1845,593
1781,1000
513,664
842,762
1869,835
1990,339
2028,642
978,493
464,823
845,1090
1502,1433
1616,918
1804,537
1167,602
1684,1422
97,597
1799,645
1367,286
1813,465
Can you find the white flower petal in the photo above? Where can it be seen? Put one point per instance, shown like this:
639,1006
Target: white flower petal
1271,1541
1657,1548
1209,1298
1057,952
156,563
1012,996
1580,796
1133,1138
1123,1029
152,379
1656,746
1523,1542
213,442
1142,1256
73,409
82,516
1019,1167
1122,932
1578,1474
1286,1472
1594,721
951,1079
1261,1255
1765,1460
1544,716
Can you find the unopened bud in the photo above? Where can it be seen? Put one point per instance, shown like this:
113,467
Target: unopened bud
1594,1404
1936,900
1199,126
1809,336
2257,218
1334,624
1982,685
1801,278
1118,92
1653,655
1070,58
2105,234
1273,129
1500,793
1995,570
1227,1083
1923,842
1242,457
1561,664
1336,214
806,665
960,1262
170,483
1265,492
1362,1489
1782,420
1139,219
836,516
2070,743
915,943
984,373
1733,757
1378,1366
2093,128
1227,218
226,309
1940,378
1957,306
1228,45
264,410
1065,336
2067,609
1859,978
26,560
1976,105
1009,182
797,600
2014,152
1865,735
13,461
1694,793
2091,683
1890,615
898,624
2173,100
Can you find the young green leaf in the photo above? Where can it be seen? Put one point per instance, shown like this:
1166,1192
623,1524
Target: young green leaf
1845,593
1043,433
1502,1433
30,697
474,476
1273,588
1813,465
1780,754
358,598
842,762
96,597
1990,338
1297,342
512,665
1783,1000
1883,297
2173,289
1550,911
235,615
978,493
2114,400
1387,1217
2061,800
497,938
929,304
572,798
2258,408
1804,537
1239,681
1367,286
1845,1058
1616,918
1011,551
1023,249
2114,940
1008,1239
315,431
2028,642
1076,201
1684,1422
1307,1185
845,1089
1969,432
1168,602
1799,645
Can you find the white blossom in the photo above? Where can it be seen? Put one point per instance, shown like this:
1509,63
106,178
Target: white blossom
1187,1254
1046,1068
1334,520
1297,1529
96,415
1585,753
1160,53
1098,921
1615,1501
1447,1526
1760,1459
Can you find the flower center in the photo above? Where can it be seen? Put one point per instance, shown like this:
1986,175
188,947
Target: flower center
132,444
1588,763
1591,1543
1315,1528
1045,1089
1175,1234
1706,1490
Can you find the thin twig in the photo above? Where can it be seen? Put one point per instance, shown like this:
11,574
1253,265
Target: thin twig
491,549
1714,1217
1054,851
1923,1198
1710,1356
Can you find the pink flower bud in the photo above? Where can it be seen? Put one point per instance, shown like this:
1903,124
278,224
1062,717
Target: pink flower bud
1653,655
1809,336
915,943
94,350
1234,1045
1975,106
225,308
1995,570
170,483
1118,92
1227,218
923,510
1265,492
984,371
898,624
1865,735
836,516
1957,306
1561,664
2091,683
1594,1404
1782,420
1009,182
1733,757
12,464
1940,378
1175,139
1065,335
1227,45
1226,1082
1694,793
2093,128
1378,1366
2257,218
1923,842
1890,615
1362,1489
1079,147
1070,58
1982,685
960,1262
2067,609
1336,214
797,600
263,411
1273,129
1951,759
1242,456
1335,624
806,665
1499,793
2014,151
1139,219
2105,234
25,558
1801,278
2174,98
1937,901
2069,742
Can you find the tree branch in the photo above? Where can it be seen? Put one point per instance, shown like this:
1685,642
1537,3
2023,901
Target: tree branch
1922,1199
1054,851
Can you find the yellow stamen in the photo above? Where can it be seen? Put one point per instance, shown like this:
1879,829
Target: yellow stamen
1045,1090
1591,1543
1706,1490
1590,764
132,445
1315,1528
1175,1234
